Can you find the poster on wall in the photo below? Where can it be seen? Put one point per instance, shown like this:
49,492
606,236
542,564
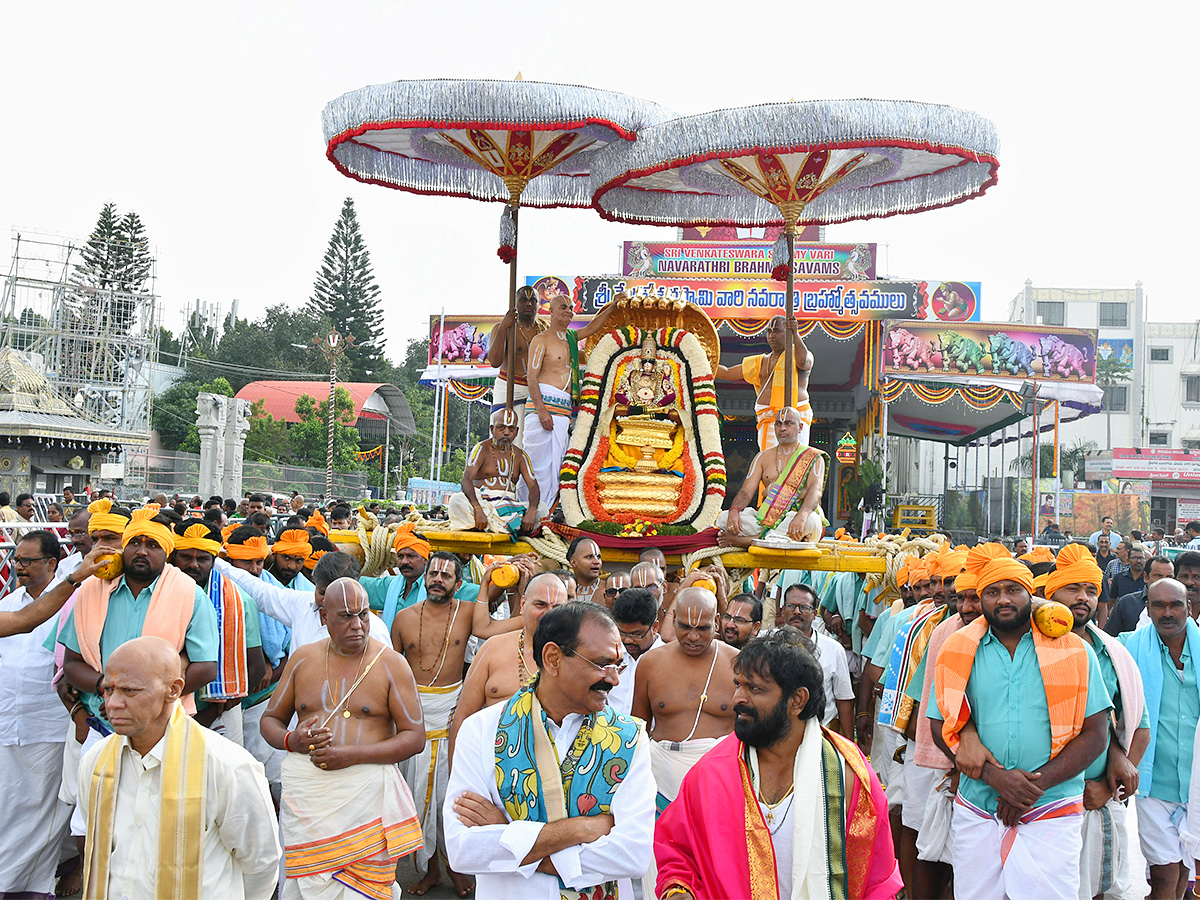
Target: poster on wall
460,340
746,260
1005,350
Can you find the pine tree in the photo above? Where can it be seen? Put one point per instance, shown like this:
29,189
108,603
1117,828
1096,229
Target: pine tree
100,254
346,294
133,254
115,258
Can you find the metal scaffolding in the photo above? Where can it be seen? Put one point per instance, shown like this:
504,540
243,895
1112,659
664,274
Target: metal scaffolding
98,346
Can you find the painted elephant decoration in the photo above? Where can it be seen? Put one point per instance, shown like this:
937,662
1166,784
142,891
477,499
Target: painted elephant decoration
909,350
961,353
1010,356
1062,358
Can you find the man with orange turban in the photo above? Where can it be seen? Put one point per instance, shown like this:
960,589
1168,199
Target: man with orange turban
1040,709
1112,778
289,553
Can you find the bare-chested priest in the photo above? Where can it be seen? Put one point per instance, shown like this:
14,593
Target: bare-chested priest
684,690
505,662
554,357
358,714
489,500
521,326
438,661
792,478
764,372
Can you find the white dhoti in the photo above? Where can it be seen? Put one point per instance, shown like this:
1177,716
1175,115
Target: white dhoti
884,744
428,771
520,399
547,448
1032,860
229,725
504,510
919,785
669,762
1160,824
933,837
1103,857
750,527
68,791
35,819
254,742
344,829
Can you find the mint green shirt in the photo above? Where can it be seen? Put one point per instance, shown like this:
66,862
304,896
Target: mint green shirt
872,640
1095,772
1177,718
124,621
1009,709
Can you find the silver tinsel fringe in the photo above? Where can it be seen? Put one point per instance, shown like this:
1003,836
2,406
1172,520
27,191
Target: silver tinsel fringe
779,252
451,103
845,123
508,230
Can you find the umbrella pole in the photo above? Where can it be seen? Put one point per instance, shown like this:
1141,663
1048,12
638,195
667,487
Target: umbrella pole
791,210
515,205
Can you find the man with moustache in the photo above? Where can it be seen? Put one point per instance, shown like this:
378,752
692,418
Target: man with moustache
1127,611
583,556
533,825
799,609
434,635
489,500
172,809
241,665
782,807
1166,655
1112,778
765,373
81,542
741,620
519,326
683,690
289,553
636,613
1040,707
613,585
505,661
347,815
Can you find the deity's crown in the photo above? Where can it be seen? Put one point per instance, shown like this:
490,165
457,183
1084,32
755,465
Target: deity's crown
649,347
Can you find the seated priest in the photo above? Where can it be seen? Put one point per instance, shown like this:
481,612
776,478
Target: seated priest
489,501
791,477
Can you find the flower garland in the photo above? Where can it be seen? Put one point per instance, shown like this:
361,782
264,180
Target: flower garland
639,528
699,508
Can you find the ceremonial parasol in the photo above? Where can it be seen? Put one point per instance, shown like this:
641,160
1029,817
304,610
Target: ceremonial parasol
521,142
815,163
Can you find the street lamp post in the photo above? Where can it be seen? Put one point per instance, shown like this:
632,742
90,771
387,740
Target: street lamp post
334,346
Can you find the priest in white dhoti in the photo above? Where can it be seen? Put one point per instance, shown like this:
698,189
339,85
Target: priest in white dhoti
33,726
550,792
173,810
489,500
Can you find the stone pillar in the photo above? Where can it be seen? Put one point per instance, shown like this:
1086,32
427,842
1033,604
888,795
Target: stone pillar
237,426
211,413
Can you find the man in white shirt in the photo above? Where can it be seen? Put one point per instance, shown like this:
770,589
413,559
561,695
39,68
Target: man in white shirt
301,610
137,791
636,613
799,608
33,727
499,828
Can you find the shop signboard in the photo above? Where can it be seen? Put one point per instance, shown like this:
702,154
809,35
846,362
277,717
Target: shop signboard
745,260
981,349
1156,464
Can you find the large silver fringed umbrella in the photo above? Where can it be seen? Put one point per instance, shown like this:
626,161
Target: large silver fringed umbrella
521,142
810,163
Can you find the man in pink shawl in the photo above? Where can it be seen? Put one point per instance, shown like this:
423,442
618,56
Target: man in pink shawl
781,808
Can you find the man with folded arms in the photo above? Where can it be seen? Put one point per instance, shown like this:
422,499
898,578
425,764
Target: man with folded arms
552,789
1039,706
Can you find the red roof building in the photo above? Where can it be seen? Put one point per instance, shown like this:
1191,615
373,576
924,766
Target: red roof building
378,407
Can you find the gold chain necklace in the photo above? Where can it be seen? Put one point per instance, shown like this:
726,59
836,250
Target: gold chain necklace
522,671
357,673
445,639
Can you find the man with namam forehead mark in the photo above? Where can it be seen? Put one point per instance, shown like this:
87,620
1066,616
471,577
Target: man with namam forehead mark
356,701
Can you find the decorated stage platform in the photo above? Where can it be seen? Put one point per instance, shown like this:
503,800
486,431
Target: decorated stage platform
829,556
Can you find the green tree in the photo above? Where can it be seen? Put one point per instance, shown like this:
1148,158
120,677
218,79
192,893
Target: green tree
309,436
1111,370
268,439
1072,461
270,344
115,258
346,294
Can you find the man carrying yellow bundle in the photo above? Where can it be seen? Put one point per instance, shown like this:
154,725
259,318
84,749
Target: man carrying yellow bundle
1040,708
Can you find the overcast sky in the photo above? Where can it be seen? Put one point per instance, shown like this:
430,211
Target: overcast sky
206,120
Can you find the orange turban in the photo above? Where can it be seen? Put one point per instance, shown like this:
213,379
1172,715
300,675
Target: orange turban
293,542
252,548
317,521
406,538
977,556
994,564
103,520
141,526
1040,554
902,575
1075,566
311,562
949,565
918,571
228,530
197,536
